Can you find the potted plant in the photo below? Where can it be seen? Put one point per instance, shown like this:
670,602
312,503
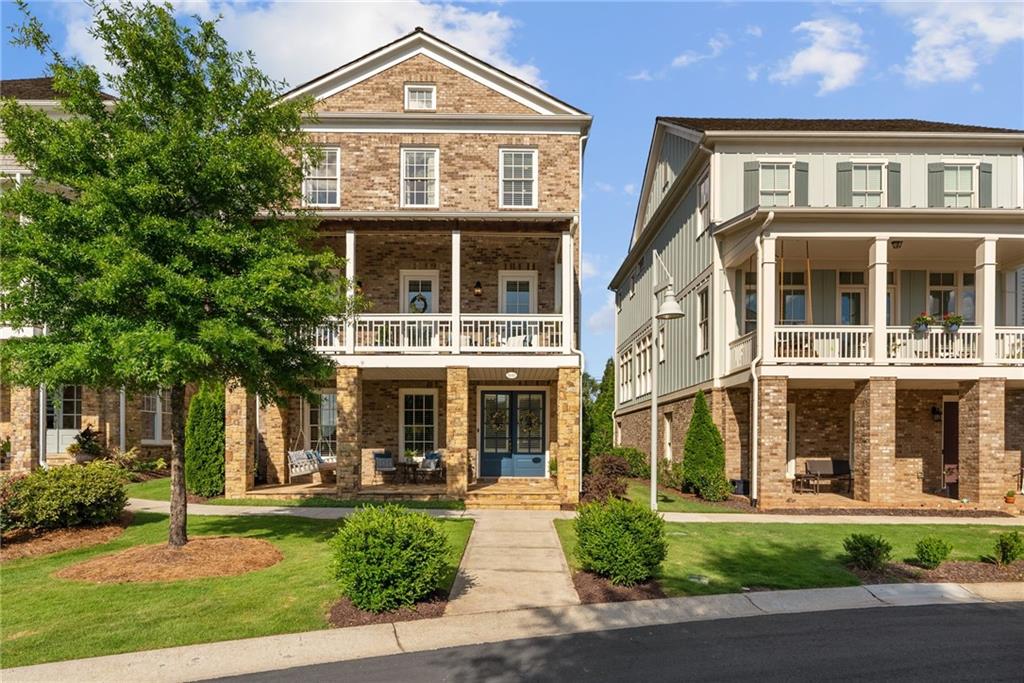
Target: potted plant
922,322
952,322
1010,497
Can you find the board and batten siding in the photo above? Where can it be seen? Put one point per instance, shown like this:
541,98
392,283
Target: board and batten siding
673,155
823,160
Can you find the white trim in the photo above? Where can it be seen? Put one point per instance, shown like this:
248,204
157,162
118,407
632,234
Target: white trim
791,441
883,193
306,422
518,387
437,177
505,276
402,393
792,180
440,361
158,420
701,347
975,165
337,180
421,86
404,276
501,177
413,124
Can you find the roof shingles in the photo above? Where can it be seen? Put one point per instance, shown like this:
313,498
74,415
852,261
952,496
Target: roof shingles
829,125
33,89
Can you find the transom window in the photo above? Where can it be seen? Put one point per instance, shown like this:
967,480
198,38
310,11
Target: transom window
958,186
419,177
420,97
852,277
419,420
67,412
322,183
703,342
793,299
518,178
156,416
775,185
867,185
323,423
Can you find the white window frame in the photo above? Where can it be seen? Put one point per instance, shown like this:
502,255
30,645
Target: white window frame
409,87
791,441
783,288
402,393
661,345
883,198
791,163
749,288
436,151
405,276
308,421
954,289
626,375
975,166
703,301
893,291
337,180
704,200
502,151
158,418
841,289
505,276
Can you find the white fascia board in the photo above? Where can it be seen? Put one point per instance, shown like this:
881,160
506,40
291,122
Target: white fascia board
525,361
433,214
900,372
645,186
1016,138
492,126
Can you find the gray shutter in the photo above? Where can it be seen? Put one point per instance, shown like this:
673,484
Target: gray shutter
935,185
844,184
913,298
985,186
800,184
823,293
892,187
750,184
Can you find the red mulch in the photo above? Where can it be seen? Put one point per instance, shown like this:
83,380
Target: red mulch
32,543
344,613
199,558
952,572
593,588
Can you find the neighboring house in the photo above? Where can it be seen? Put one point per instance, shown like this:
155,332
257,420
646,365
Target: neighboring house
801,251
452,189
40,427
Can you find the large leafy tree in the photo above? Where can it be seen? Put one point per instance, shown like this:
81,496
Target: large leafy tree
157,240
602,430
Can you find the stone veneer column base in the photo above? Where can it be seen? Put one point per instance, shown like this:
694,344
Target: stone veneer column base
985,473
772,485
239,442
24,428
349,392
568,413
874,440
457,431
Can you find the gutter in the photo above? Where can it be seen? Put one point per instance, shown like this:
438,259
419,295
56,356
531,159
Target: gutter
755,408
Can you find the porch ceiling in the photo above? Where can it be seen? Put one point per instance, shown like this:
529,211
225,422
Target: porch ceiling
1009,252
523,375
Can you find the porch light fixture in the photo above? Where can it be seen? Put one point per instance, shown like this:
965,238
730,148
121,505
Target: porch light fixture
511,374
936,414
668,309
897,244
478,289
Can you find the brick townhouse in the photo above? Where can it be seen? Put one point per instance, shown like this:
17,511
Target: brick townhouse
801,252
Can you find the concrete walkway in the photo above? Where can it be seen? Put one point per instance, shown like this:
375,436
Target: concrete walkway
513,561
272,653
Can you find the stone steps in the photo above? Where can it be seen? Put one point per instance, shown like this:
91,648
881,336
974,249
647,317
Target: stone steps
513,494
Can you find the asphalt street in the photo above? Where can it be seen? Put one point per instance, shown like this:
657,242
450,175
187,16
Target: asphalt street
978,642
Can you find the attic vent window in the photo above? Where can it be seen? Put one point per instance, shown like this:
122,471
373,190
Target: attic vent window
420,97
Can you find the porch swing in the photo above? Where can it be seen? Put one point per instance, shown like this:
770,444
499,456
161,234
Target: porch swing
315,460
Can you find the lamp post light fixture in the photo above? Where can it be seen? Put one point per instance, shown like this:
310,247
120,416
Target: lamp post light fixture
668,309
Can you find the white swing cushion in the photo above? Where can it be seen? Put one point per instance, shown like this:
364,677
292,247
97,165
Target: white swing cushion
326,458
302,462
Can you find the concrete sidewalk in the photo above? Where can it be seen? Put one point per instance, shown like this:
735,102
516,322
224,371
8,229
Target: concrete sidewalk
271,653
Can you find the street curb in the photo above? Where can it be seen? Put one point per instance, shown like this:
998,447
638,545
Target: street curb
252,655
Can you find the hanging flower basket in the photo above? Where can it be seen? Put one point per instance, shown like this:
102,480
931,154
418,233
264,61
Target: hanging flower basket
922,322
952,322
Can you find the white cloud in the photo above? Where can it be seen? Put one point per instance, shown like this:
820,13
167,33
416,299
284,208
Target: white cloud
590,265
835,55
716,44
953,39
602,321
754,30
604,187
754,72
629,188
642,75
297,41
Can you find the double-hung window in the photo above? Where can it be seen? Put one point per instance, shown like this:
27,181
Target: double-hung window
322,183
419,177
958,186
626,376
518,178
704,197
67,412
867,185
156,417
419,420
775,188
420,97
794,298
703,313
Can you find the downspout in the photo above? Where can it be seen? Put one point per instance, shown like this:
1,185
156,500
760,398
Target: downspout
573,347
42,425
753,367
121,413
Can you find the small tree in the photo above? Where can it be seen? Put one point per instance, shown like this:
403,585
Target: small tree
704,454
602,430
204,441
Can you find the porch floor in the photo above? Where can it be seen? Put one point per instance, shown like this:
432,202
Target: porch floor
298,490
906,500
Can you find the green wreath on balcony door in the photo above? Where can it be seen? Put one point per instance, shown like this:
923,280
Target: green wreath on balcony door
418,304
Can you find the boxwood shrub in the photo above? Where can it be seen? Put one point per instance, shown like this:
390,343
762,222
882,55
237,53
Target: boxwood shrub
385,557
620,540
66,496
1009,547
867,552
931,551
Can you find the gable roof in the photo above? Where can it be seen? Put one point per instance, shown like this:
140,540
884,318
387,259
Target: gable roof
829,125
35,89
422,42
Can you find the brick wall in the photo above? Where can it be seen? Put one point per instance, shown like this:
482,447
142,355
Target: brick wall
773,486
348,389
380,420
1015,426
457,427
918,441
568,428
986,472
822,424
874,440
239,442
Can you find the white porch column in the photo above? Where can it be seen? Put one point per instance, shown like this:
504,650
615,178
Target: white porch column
878,284
568,288
767,286
350,276
985,297
720,335
456,291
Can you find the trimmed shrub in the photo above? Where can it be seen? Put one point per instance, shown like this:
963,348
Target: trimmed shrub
639,463
609,466
622,541
867,552
68,496
670,473
1009,547
931,551
600,487
385,557
10,517
704,453
204,441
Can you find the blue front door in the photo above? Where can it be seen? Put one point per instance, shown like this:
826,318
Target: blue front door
512,434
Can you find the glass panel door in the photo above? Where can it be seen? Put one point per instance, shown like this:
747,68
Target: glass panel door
851,307
512,434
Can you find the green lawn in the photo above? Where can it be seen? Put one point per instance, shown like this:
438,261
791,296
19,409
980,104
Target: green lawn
160,489
48,619
780,556
669,501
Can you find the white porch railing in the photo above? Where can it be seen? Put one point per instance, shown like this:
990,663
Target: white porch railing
823,344
403,333
742,350
1010,344
934,346
329,337
511,333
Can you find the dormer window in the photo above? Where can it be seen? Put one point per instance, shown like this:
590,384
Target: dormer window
420,97
322,183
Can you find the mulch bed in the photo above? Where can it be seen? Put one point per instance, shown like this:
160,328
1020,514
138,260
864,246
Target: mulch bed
952,572
344,613
32,543
594,589
200,558
741,503
895,512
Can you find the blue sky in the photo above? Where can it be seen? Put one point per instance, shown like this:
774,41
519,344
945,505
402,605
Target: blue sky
628,63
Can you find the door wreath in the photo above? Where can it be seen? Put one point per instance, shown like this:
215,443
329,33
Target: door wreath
418,304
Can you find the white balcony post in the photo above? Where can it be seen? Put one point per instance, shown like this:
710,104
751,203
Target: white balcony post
767,286
878,284
720,320
985,294
456,331
350,277
568,288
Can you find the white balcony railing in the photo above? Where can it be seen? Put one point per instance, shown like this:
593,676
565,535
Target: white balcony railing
904,345
1010,345
329,338
742,351
403,333
823,344
511,333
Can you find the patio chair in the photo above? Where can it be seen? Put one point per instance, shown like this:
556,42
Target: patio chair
432,466
384,464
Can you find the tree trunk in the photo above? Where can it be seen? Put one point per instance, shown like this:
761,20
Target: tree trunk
178,535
